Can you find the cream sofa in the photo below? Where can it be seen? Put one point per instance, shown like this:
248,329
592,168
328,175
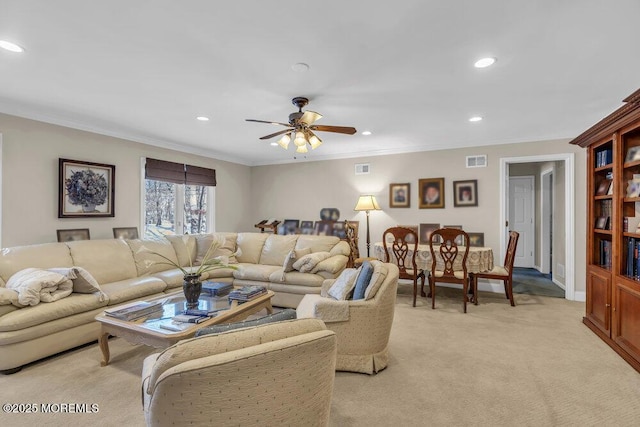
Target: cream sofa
127,271
287,373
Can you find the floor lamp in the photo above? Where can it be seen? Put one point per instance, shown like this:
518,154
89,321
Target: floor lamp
367,203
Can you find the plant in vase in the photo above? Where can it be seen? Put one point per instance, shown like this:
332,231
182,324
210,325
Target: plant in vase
192,283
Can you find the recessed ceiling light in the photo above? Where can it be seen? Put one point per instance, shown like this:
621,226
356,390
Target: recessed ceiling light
484,62
475,119
366,132
274,144
300,67
12,47
202,118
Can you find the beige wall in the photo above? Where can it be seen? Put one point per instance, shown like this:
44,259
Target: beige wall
300,190
30,155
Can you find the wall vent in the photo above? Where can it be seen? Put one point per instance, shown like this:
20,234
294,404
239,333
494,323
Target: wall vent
363,168
477,161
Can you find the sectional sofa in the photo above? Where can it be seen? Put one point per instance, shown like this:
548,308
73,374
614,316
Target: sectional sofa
127,270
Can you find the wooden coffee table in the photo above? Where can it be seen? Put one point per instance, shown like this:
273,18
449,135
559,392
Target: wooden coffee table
148,331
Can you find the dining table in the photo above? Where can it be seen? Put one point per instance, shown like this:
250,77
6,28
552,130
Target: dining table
480,258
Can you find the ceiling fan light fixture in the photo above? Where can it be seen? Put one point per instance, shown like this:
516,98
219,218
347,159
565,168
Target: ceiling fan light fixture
302,149
300,140
284,141
314,142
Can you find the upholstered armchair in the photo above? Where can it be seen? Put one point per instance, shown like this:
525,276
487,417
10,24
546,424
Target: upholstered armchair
362,326
272,374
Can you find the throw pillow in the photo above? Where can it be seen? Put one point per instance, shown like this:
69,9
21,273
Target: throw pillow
344,284
363,280
307,263
83,281
291,258
379,274
8,297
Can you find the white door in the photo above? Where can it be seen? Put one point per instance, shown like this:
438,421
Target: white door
522,217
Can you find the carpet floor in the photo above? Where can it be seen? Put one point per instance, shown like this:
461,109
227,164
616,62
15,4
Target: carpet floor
531,281
535,364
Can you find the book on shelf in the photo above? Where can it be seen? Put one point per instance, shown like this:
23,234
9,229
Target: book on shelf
633,260
605,254
134,310
216,289
604,157
247,292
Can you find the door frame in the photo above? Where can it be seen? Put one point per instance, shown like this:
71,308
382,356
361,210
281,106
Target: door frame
546,225
569,213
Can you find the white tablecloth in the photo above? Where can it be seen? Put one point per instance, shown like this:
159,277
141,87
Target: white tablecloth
480,258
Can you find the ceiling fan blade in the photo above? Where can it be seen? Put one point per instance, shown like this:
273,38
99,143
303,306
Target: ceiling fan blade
337,129
310,117
265,121
276,134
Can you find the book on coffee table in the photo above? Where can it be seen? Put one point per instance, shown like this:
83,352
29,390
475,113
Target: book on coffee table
247,293
134,311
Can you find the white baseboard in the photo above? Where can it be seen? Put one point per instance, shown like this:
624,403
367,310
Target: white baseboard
561,285
580,296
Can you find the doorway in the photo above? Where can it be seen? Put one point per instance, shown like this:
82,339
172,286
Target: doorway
563,271
522,217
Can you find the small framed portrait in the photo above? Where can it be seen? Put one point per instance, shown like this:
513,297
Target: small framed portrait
425,233
459,239
86,189
291,226
431,193
476,239
633,154
324,228
339,230
127,233
465,193
306,227
71,235
399,195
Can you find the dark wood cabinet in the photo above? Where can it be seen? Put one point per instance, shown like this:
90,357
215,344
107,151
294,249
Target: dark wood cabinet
613,230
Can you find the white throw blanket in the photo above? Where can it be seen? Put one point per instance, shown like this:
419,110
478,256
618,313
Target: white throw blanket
35,285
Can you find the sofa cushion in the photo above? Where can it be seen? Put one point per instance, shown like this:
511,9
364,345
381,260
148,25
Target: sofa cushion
42,313
308,262
107,260
255,272
209,345
317,243
380,272
291,258
295,278
276,248
250,247
226,246
344,284
174,278
185,248
47,255
364,278
152,256
130,289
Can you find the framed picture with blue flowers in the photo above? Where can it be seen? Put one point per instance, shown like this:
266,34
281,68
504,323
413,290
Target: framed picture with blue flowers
86,189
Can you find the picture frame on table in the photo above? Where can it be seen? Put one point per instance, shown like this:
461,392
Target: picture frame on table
412,227
85,189
323,228
400,195
476,240
306,227
431,193
339,230
291,226
425,233
633,154
73,234
127,233
459,239
465,193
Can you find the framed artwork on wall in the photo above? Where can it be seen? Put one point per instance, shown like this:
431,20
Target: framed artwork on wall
71,235
86,189
465,193
431,193
399,195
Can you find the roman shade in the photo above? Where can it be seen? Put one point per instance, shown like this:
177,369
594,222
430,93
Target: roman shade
179,173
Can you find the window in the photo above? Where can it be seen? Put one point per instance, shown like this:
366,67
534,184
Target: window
178,199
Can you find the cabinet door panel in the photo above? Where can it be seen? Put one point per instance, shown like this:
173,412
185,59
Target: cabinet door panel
599,299
626,331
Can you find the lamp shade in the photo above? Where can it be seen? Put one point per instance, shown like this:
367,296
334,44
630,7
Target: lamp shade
367,203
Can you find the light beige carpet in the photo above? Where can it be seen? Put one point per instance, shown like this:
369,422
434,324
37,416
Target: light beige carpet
535,364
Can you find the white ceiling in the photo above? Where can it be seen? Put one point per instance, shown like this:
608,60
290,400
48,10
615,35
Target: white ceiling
403,69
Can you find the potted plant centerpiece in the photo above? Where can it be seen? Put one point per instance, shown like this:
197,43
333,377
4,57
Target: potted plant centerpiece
192,275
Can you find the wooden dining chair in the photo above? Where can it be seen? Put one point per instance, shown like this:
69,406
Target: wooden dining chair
446,264
504,272
403,244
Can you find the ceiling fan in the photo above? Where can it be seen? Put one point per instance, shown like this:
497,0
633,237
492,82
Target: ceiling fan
301,127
